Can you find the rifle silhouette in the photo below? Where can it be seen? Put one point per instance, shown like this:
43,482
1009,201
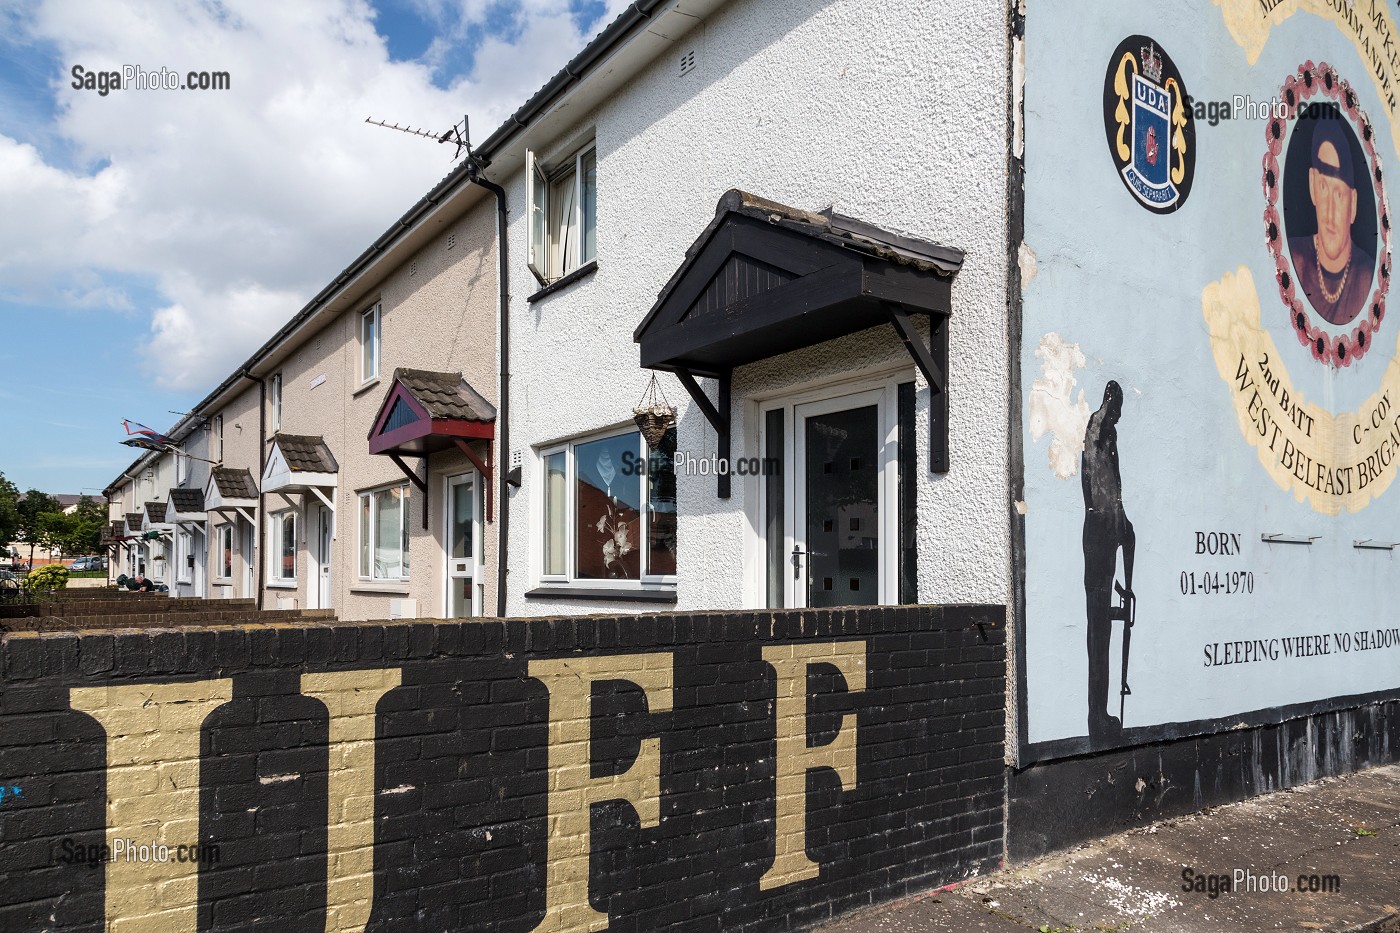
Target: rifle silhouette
1126,609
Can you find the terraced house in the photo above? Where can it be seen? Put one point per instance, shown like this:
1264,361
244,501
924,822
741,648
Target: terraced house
767,318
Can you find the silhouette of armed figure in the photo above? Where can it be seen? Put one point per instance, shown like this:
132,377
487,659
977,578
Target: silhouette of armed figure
1106,530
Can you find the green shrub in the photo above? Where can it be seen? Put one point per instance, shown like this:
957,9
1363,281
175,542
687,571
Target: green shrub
47,577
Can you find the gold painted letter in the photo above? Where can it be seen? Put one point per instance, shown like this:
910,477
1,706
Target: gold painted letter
351,698
572,791
152,797
795,759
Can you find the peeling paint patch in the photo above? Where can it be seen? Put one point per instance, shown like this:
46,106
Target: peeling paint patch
1025,258
401,789
1053,409
278,778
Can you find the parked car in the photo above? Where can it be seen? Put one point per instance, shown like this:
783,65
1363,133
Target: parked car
9,584
97,563
79,564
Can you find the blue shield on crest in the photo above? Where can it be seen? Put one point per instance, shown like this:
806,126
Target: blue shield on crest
1147,173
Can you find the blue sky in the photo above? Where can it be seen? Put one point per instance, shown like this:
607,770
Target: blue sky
156,238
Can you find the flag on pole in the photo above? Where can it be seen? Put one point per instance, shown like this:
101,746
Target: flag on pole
158,441
144,444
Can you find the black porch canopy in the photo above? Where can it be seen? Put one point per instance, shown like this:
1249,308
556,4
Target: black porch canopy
764,279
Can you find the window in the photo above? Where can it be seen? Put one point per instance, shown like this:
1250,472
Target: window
384,526
223,539
563,211
219,433
283,551
274,395
610,511
182,467
369,344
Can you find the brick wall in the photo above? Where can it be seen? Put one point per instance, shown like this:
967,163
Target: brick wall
711,772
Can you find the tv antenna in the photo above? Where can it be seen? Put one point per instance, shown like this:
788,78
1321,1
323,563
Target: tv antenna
461,138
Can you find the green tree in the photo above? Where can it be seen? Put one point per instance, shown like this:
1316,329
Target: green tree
9,513
31,508
65,534
92,518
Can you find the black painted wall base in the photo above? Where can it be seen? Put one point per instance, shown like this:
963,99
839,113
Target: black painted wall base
1054,805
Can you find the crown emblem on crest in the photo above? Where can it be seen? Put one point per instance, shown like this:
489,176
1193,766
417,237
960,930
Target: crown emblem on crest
1152,64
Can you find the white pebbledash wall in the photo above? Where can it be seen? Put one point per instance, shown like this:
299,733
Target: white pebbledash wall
895,113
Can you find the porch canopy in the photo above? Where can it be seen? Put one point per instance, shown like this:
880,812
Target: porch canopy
230,490
301,463
185,507
764,279
113,534
155,517
426,412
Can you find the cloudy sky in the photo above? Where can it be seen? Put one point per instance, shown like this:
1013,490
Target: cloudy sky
152,239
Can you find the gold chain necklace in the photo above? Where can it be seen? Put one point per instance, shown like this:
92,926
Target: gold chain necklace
1331,296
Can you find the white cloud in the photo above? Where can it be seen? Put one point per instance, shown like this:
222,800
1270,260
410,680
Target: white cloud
237,206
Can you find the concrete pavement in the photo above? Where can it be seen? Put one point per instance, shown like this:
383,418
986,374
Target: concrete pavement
1217,871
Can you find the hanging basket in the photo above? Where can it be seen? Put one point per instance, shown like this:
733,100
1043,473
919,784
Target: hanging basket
654,414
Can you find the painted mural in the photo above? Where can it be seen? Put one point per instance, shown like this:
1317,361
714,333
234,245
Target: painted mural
1209,382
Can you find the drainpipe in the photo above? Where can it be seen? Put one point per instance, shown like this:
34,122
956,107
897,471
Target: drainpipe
499,488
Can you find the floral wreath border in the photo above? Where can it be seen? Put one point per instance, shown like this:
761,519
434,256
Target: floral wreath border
1298,90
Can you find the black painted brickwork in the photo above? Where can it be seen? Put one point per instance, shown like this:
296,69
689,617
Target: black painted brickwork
465,849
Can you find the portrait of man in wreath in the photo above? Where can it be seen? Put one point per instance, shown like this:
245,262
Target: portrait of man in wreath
1332,252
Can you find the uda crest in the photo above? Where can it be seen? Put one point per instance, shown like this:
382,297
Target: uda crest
1151,135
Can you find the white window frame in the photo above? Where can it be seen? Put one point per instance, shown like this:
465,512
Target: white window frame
276,538
365,546
184,548
370,350
546,256
224,529
570,577
182,467
274,394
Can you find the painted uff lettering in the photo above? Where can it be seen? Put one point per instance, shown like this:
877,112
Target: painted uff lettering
153,750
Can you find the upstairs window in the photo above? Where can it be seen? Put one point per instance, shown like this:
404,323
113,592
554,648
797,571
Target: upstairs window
369,344
274,393
563,211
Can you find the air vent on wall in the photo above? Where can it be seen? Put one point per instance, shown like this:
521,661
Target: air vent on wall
451,240
413,267
688,62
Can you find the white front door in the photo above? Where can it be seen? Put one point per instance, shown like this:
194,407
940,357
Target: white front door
325,534
463,536
250,560
834,502
198,547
